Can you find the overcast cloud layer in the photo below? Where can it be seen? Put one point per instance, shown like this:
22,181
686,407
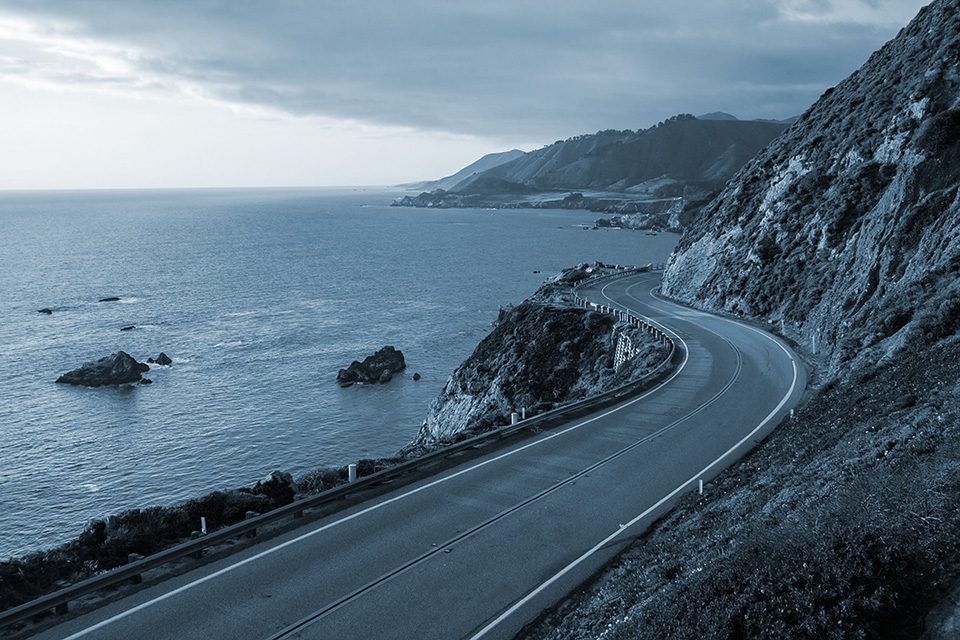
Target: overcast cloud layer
509,69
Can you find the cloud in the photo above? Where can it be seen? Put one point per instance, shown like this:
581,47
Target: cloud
494,68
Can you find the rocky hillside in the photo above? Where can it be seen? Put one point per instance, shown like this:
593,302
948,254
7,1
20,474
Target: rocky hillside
541,353
844,523
846,229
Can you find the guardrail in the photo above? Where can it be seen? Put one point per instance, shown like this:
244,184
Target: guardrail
131,572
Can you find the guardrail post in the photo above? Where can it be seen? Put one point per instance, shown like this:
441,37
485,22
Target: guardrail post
203,525
62,608
514,418
133,557
251,514
298,514
701,486
523,413
352,472
198,554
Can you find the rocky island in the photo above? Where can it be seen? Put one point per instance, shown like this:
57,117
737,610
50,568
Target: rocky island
380,367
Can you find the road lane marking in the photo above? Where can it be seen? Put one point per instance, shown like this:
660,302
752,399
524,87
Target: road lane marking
374,507
623,527
310,619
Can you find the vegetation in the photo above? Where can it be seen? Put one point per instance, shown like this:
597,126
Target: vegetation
843,524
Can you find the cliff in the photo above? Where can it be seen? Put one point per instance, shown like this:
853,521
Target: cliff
845,231
541,354
843,523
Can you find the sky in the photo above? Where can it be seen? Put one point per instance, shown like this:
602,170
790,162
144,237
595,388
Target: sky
195,93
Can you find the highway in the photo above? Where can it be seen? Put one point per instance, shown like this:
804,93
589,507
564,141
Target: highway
478,550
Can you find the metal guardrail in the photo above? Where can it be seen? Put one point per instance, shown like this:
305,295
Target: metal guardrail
59,600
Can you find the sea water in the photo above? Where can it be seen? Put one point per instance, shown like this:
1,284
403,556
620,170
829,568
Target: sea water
259,296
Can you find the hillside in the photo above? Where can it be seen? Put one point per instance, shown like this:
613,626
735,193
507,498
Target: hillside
485,163
684,150
613,171
844,234
847,228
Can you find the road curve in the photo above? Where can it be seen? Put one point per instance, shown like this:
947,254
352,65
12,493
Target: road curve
479,550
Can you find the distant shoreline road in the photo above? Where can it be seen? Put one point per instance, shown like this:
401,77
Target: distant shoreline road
480,549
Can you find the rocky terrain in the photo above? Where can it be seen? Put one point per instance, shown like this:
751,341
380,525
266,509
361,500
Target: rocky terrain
844,234
119,368
615,171
847,227
379,367
542,353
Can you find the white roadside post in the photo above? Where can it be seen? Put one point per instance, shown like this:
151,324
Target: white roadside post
352,472
701,486
203,525
514,418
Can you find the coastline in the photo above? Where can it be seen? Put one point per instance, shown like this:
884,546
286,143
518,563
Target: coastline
109,543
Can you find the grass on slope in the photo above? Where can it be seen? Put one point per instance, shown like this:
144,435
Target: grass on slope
844,523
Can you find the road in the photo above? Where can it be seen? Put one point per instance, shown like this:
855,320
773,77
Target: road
479,550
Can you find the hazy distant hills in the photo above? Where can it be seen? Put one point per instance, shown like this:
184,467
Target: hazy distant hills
683,157
684,149
488,161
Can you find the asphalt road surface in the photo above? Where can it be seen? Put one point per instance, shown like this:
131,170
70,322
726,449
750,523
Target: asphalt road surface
480,549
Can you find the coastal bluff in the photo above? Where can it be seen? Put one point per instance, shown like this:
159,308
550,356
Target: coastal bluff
541,354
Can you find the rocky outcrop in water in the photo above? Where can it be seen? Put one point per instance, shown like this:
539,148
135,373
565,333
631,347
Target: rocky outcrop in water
163,360
119,368
845,231
379,367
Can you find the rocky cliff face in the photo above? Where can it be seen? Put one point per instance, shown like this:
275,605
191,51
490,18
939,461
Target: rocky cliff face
846,229
538,356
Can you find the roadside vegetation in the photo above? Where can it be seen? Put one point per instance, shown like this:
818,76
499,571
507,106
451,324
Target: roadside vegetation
844,523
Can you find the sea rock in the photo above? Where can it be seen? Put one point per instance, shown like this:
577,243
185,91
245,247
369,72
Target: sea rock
278,486
129,327
46,311
146,381
416,377
118,368
379,367
163,360
110,299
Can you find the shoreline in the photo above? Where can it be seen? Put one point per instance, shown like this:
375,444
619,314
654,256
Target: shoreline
97,548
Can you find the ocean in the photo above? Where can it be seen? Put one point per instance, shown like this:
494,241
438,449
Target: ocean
259,296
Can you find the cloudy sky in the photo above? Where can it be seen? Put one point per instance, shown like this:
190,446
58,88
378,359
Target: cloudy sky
147,93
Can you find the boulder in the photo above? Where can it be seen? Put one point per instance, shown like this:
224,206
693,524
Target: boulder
278,486
379,367
46,311
163,360
119,368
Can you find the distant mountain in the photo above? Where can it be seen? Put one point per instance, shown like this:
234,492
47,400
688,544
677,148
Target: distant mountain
488,161
717,115
658,161
684,159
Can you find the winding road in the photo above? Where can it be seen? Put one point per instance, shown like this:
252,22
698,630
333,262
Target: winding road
478,550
